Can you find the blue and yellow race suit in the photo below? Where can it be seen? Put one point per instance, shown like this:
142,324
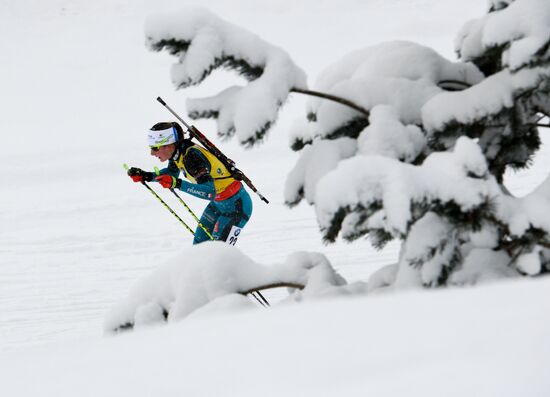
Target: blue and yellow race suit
230,204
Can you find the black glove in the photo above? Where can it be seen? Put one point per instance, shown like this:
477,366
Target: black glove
138,175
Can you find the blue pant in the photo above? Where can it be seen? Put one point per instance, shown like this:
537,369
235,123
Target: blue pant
220,216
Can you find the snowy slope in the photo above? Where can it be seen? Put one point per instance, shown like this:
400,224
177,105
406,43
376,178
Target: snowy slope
78,90
416,344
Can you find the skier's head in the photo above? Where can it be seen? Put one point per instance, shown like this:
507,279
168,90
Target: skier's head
163,138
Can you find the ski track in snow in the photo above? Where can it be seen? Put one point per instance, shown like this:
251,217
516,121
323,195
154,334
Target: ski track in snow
76,233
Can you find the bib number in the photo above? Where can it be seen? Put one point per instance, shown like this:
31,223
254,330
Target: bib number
233,235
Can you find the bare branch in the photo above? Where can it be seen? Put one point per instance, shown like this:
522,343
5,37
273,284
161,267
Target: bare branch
453,85
449,85
342,101
273,285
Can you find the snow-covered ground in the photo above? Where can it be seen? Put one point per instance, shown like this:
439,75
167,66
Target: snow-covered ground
78,91
422,344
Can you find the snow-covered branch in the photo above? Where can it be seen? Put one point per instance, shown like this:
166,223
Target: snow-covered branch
510,45
203,42
215,273
402,74
520,30
365,184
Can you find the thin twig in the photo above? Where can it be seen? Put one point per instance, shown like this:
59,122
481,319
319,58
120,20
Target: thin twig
273,285
342,101
456,83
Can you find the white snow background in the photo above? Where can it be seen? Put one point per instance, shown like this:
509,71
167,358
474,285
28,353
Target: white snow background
77,92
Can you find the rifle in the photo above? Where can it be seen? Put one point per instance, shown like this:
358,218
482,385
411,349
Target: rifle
208,145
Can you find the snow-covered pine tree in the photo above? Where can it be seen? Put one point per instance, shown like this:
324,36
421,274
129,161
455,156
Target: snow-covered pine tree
408,145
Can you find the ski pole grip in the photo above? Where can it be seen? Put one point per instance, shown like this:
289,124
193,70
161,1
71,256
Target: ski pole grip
161,101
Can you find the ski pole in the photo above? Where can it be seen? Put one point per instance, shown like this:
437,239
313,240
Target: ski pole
188,209
193,214
188,228
255,297
263,298
164,203
230,164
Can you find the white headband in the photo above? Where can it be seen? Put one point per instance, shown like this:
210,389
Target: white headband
162,137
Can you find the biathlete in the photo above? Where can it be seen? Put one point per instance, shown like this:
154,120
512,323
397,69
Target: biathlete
230,206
